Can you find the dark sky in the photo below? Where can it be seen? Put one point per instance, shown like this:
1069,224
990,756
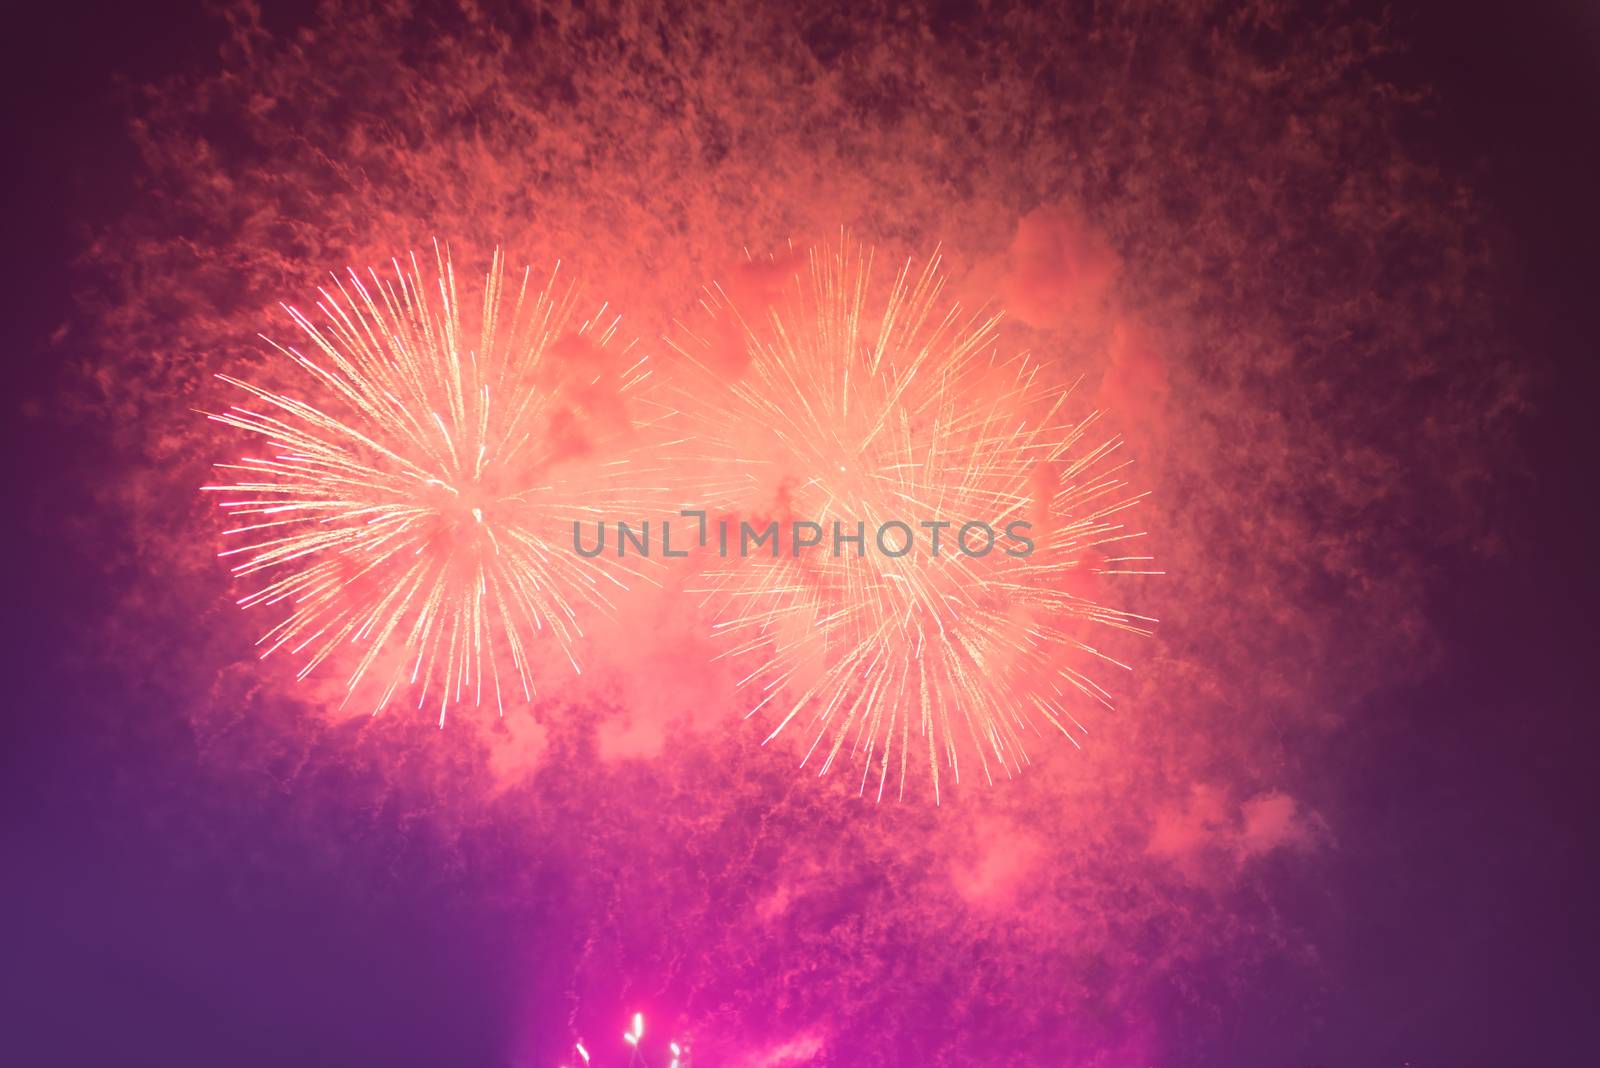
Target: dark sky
1455,927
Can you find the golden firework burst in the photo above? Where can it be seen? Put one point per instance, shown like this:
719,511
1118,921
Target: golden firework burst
409,507
936,512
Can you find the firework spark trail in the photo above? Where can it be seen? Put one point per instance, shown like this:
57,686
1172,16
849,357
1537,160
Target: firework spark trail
411,512
679,1053
878,406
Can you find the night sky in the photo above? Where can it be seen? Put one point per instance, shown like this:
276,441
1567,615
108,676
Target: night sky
1331,275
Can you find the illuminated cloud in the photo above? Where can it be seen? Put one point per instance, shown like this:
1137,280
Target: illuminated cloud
1060,270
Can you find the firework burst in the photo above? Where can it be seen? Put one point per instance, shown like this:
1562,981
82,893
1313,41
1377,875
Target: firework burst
406,508
887,413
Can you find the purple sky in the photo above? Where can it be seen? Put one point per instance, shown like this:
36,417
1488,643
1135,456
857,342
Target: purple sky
1343,816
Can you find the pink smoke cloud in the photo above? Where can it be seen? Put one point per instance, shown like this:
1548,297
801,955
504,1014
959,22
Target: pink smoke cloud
1059,269
1234,309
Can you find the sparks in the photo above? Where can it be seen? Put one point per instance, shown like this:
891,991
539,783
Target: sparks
407,507
636,1054
880,405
